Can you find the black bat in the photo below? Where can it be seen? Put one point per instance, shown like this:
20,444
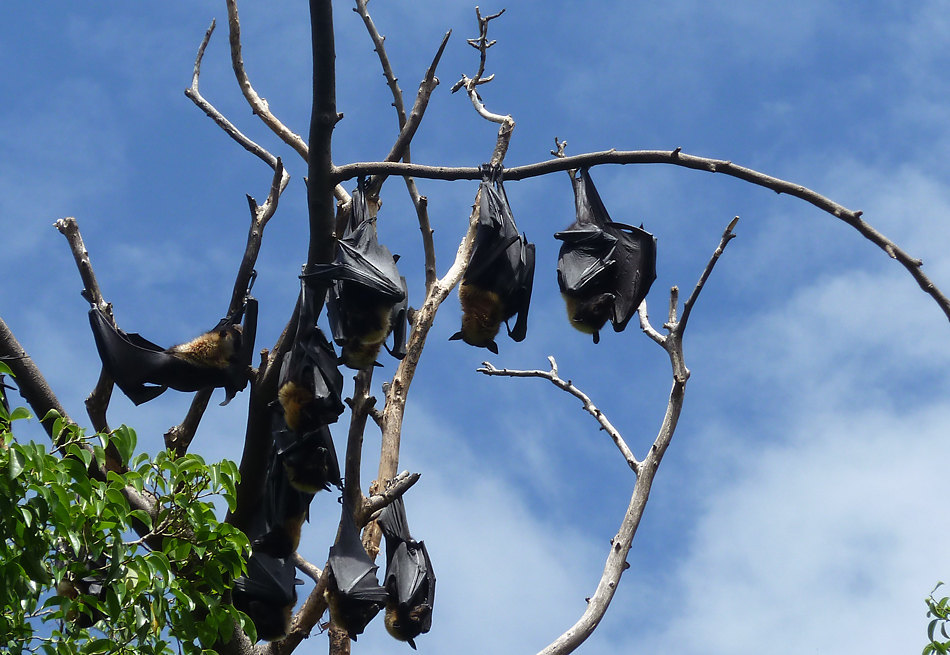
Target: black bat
309,458
367,298
143,370
267,594
285,508
310,382
409,581
497,284
86,590
604,269
354,594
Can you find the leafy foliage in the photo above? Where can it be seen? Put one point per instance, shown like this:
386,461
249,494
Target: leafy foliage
939,611
81,571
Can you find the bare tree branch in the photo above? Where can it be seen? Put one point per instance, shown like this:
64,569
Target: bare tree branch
309,569
97,403
407,129
360,404
219,118
645,471
30,381
727,236
179,437
396,488
569,387
395,407
676,158
258,105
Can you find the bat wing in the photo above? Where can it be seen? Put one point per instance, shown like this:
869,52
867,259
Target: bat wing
502,260
589,207
285,510
399,322
586,260
267,594
409,576
311,364
359,597
495,256
361,258
269,580
310,459
131,360
521,298
636,270
365,261
410,579
354,571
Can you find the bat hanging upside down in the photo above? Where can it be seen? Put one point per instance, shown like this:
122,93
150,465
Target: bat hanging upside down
497,283
353,593
367,298
409,581
604,269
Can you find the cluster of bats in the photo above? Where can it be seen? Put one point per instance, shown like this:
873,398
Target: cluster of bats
605,270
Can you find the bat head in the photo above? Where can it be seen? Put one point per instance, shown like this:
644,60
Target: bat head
483,310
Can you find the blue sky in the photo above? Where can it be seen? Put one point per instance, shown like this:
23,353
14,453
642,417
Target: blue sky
799,506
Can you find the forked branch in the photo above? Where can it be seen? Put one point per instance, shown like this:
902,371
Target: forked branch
645,471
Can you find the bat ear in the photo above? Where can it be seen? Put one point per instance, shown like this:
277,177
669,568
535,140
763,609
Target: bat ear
493,347
596,336
456,336
411,643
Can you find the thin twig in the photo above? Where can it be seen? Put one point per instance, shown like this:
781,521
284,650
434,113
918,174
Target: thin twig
195,96
311,571
482,44
259,105
727,236
568,386
645,471
407,129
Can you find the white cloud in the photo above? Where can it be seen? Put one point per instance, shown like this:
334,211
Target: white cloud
825,545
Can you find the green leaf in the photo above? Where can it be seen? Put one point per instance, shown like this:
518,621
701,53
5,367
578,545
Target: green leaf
100,646
20,413
16,463
141,515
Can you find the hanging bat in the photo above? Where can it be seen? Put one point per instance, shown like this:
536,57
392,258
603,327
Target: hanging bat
309,458
604,269
143,370
310,382
83,588
285,508
267,594
367,298
353,593
409,581
497,284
